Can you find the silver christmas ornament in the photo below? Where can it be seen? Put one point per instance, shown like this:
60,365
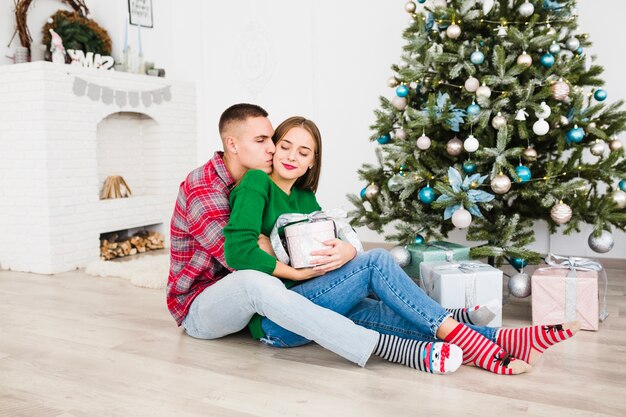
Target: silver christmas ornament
526,9
541,127
560,90
472,84
392,82
602,243
597,148
453,31
500,184
529,154
461,218
519,285
619,198
410,7
401,255
470,144
399,102
423,142
498,122
572,43
400,134
395,183
524,59
561,213
616,145
454,146
483,91
372,191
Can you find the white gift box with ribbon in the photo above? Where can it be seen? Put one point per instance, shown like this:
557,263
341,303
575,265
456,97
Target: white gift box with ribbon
462,284
304,233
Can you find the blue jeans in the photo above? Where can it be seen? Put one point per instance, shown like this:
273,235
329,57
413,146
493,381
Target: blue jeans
402,308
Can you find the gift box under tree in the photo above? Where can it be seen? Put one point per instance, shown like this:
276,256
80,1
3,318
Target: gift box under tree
432,252
568,291
463,284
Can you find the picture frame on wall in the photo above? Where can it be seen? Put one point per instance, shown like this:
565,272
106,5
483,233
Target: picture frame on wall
140,13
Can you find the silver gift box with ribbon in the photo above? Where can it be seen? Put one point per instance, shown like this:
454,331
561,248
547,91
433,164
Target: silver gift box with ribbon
567,289
462,284
296,235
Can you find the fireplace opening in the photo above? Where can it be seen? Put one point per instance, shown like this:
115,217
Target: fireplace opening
128,242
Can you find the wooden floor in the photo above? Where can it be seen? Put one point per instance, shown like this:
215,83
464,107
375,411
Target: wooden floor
74,345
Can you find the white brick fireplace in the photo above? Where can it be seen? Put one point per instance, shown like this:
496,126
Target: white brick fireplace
57,147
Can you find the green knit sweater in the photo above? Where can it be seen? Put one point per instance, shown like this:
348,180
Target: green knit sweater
255,205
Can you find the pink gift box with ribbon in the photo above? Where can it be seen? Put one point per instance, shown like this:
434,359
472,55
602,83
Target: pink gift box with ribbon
568,291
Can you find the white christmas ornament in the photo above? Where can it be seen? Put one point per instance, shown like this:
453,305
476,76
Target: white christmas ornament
400,134
572,43
471,144
521,114
597,148
399,102
544,111
483,91
541,127
619,198
500,184
526,9
423,142
561,213
461,218
524,59
410,7
453,31
498,122
472,84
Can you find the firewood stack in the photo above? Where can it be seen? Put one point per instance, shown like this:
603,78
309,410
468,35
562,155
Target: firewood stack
115,187
113,247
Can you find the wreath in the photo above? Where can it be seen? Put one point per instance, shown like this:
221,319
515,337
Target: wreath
75,28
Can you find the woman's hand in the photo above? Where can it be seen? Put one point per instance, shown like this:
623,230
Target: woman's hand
286,271
304,274
337,254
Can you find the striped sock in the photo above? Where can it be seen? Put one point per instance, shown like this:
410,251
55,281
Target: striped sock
479,315
482,352
433,357
529,343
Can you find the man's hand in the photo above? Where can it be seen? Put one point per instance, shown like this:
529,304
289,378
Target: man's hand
336,255
266,245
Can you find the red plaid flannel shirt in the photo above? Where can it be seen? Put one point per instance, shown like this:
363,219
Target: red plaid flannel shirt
197,242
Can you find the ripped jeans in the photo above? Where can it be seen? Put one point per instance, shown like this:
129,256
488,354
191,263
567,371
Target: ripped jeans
402,308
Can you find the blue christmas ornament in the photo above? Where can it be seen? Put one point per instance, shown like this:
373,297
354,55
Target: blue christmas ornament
622,185
600,94
419,240
427,195
473,109
384,139
402,91
580,50
555,48
523,172
363,194
421,1
547,60
518,263
469,167
576,134
477,58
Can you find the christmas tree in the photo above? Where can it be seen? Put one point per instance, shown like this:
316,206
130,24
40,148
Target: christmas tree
497,120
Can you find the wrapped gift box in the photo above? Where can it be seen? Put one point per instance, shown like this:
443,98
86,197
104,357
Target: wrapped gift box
561,295
306,237
434,251
462,284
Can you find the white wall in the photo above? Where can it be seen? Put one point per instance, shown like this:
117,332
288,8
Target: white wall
327,60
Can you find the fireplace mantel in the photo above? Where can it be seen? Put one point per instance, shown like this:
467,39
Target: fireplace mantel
51,216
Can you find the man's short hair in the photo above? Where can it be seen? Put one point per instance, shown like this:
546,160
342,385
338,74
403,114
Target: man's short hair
239,113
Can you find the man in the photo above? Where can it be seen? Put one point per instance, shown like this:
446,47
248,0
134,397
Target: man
210,300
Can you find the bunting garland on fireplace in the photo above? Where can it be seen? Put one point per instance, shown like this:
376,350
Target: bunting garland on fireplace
107,95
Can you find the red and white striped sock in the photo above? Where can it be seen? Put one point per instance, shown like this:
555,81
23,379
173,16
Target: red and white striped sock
529,343
482,352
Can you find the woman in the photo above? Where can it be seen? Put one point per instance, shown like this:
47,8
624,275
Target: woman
342,280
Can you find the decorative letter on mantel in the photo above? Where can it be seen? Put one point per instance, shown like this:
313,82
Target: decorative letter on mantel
90,60
107,95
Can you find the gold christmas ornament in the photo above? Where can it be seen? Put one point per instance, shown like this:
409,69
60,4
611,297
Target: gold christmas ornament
410,7
392,82
616,145
619,198
498,122
529,154
372,191
560,90
454,146
561,213
500,184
